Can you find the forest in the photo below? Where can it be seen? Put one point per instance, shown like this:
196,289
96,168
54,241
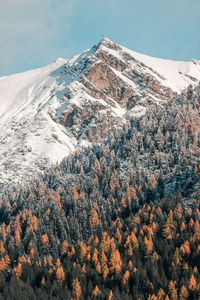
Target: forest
118,220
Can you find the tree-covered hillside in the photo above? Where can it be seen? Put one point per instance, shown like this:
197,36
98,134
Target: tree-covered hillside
119,220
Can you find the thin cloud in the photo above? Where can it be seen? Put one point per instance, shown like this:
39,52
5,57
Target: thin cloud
32,27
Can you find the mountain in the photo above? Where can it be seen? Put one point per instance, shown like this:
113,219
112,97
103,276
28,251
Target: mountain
118,220
119,216
50,112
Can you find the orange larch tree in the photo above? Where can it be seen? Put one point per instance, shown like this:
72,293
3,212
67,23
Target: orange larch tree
192,283
18,270
35,223
125,278
161,294
64,248
182,227
153,181
148,244
2,264
75,193
18,230
45,239
110,297
60,274
183,293
94,220
131,193
76,288
2,249
115,262
59,203
96,291
83,250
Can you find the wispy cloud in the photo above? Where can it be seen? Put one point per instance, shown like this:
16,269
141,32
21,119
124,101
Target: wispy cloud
32,28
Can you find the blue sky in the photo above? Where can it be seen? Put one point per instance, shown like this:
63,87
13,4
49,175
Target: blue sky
36,32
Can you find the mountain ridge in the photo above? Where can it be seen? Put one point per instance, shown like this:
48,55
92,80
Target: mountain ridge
69,104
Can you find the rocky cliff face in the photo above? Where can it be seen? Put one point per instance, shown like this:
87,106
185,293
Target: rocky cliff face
50,112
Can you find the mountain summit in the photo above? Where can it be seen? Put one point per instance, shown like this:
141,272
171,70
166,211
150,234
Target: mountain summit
50,112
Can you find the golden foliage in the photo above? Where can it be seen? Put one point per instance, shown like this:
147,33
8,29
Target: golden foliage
2,249
154,256
125,278
182,227
59,203
60,274
83,250
96,291
45,239
115,262
161,294
58,263
75,193
185,248
183,293
64,248
110,295
192,283
76,288
2,264
94,220
43,281
32,252
148,244
131,193
18,270
153,181
35,223
22,259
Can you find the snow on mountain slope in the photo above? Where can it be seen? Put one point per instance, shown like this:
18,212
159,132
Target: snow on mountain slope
29,136
19,92
47,113
177,74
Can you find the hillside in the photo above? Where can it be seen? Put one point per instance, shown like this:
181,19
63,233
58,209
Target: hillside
118,220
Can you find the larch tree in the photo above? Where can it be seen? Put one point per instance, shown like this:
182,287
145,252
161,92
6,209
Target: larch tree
76,288
192,283
183,293
94,220
60,274
115,262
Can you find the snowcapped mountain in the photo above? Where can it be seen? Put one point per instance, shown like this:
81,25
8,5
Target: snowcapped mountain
47,113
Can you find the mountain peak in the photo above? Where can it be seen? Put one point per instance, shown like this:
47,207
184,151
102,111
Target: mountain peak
105,42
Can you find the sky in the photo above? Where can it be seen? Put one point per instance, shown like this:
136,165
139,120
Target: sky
34,33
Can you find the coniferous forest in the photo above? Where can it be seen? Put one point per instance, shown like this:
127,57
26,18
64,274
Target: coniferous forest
120,220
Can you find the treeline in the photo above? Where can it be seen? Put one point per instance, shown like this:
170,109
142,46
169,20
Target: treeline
118,220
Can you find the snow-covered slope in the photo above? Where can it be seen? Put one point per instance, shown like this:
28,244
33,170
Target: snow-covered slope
47,113
177,74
